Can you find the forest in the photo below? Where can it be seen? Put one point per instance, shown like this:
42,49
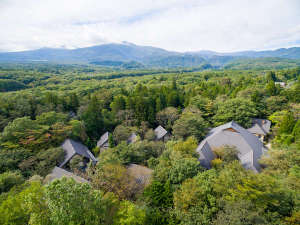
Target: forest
42,105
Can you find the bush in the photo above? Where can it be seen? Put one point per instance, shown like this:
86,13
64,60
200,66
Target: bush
9,179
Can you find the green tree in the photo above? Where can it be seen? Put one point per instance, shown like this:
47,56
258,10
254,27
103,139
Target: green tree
92,118
10,179
190,124
240,110
130,214
68,201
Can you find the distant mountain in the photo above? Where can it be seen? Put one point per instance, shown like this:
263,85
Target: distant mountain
128,55
288,53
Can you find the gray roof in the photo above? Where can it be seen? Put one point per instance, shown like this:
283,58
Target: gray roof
103,139
141,174
260,126
132,138
249,147
58,173
73,148
160,132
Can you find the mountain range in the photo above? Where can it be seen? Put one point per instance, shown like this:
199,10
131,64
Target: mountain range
135,56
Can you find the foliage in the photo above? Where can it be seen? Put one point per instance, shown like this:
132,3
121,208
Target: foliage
238,109
41,105
9,179
190,124
73,203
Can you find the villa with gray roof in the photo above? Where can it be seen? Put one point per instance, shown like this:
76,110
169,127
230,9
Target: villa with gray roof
73,148
103,141
161,133
260,128
249,147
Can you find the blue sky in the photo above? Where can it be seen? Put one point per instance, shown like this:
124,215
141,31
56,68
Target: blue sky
178,25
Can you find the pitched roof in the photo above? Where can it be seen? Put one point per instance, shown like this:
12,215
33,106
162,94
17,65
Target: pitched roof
249,147
260,126
58,173
72,148
103,139
160,132
141,174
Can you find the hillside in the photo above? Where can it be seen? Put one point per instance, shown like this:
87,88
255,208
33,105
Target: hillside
115,55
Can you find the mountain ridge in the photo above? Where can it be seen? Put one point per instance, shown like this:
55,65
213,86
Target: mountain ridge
147,55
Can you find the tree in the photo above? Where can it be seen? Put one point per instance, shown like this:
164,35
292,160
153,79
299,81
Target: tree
159,194
10,179
287,123
272,89
184,168
227,153
92,118
118,104
271,76
111,142
50,118
130,214
122,133
190,124
240,213
204,104
167,117
240,110
74,203
195,201
113,177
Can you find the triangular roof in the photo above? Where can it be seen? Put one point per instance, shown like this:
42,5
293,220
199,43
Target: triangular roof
260,126
249,147
58,173
72,148
160,132
103,139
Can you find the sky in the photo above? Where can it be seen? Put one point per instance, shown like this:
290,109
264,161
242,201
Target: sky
176,25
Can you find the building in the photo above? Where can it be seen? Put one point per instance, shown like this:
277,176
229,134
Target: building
249,147
260,128
73,148
161,133
103,141
58,173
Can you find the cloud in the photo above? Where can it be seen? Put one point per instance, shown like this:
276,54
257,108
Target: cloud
181,25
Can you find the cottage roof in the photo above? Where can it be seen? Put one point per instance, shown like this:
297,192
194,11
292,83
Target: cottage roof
72,148
160,132
58,173
249,147
260,126
141,174
103,139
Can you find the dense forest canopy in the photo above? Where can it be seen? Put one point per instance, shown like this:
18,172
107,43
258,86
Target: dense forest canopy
41,105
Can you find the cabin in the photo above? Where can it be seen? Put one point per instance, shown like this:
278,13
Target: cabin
103,141
250,148
73,148
260,128
161,134
58,173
